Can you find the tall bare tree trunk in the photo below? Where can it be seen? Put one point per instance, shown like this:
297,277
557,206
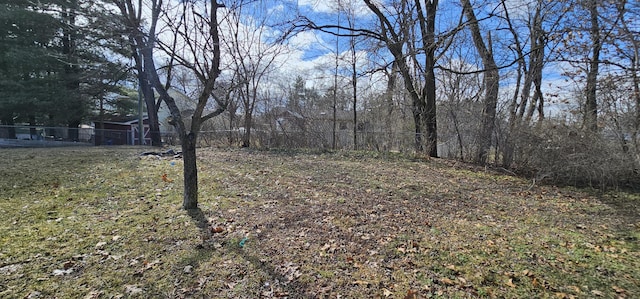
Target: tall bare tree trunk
491,83
150,103
354,86
430,109
423,99
154,121
636,95
536,63
137,42
591,104
428,29
248,123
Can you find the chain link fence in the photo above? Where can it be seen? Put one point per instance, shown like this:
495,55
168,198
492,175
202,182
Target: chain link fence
43,136
343,140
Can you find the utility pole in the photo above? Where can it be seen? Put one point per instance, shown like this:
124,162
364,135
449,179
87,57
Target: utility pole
140,117
354,78
335,84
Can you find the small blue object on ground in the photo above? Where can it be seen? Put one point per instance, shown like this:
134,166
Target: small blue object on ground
244,240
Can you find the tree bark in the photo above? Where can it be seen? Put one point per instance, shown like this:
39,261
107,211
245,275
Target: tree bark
354,86
491,82
536,63
430,111
248,122
427,28
190,169
152,113
591,104
137,42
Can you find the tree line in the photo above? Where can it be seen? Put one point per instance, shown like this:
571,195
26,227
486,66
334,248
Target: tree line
487,67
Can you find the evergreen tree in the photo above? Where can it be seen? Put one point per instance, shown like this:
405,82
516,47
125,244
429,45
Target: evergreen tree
56,57
28,75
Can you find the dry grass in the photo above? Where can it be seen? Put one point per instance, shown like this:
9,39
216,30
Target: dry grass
102,223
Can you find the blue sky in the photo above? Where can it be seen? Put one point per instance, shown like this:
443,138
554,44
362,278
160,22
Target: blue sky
312,54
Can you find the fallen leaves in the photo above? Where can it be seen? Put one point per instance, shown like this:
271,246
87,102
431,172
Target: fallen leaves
290,271
11,268
361,282
597,293
320,227
217,229
93,295
330,247
447,281
143,265
67,268
411,294
166,179
618,289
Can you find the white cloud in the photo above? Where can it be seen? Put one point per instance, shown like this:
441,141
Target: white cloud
276,9
307,40
325,6
308,54
518,8
332,6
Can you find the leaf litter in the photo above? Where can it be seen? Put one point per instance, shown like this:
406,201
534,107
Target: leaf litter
300,225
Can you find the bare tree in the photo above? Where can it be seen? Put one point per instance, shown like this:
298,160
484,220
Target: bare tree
460,90
132,16
195,45
422,90
586,44
591,104
532,70
491,82
619,85
334,106
349,10
628,49
413,55
253,57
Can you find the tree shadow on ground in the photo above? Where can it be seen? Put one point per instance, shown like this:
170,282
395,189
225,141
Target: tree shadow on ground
293,289
627,206
199,219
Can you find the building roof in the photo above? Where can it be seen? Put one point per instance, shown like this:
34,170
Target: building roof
122,120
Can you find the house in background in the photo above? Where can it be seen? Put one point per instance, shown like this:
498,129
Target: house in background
121,131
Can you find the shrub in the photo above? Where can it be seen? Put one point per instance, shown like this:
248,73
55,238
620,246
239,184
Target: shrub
567,155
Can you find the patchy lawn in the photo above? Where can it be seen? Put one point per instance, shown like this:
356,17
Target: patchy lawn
104,223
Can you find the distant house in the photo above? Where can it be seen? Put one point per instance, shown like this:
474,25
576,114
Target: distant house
311,128
186,106
121,131
287,120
